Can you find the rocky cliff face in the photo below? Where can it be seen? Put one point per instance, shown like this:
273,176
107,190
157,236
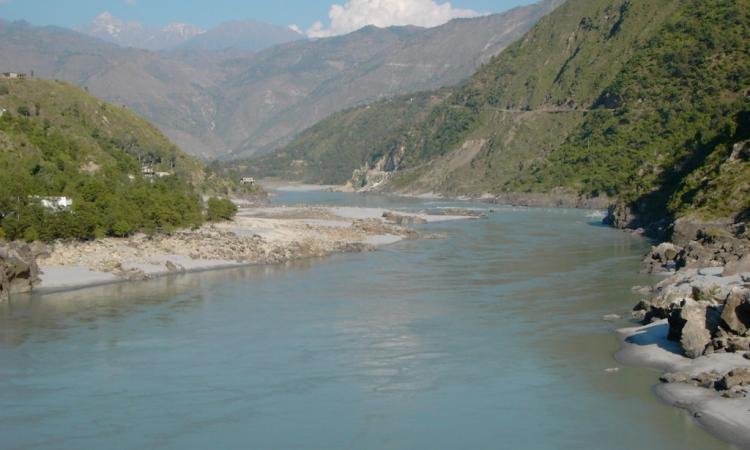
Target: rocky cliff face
19,271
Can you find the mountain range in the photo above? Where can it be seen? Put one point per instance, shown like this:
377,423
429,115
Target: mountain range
245,35
237,103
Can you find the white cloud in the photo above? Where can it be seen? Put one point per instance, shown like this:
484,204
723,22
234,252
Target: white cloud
296,28
355,14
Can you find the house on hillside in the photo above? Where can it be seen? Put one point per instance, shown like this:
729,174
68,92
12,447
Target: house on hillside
13,75
55,203
150,172
3,111
247,181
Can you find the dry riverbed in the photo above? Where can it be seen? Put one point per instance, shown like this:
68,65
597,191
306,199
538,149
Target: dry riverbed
265,235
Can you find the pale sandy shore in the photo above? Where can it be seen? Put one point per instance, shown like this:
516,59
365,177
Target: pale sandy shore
727,418
257,235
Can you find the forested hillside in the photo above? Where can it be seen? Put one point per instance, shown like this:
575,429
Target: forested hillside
642,101
330,151
57,141
669,134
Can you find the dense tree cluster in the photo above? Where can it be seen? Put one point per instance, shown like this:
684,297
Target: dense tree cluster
108,200
122,175
682,103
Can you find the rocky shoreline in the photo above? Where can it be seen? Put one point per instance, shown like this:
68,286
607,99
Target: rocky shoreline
258,235
696,330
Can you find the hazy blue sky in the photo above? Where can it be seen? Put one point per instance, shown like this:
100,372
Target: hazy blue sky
205,13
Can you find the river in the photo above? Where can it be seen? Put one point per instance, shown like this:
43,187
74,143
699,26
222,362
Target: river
490,339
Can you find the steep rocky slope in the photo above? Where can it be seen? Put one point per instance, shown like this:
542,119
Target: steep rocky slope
643,102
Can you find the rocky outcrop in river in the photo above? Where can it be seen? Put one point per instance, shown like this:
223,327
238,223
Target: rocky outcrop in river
706,300
19,271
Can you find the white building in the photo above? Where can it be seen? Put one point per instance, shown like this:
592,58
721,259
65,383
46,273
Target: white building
248,181
150,172
56,203
13,75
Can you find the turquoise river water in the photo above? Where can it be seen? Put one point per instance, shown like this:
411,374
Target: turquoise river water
490,339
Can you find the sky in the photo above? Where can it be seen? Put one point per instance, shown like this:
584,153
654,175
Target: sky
316,17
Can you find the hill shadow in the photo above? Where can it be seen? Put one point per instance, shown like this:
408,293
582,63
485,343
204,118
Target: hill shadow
652,208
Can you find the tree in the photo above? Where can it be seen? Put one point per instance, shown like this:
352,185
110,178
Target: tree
220,209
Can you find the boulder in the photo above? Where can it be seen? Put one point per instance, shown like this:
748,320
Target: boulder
693,325
689,228
711,271
662,257
667,295
400,219
736,315
736,377
174,268
695,255
676,377
4,284
19,271
666,251
738,267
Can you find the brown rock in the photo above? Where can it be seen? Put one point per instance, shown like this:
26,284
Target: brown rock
400,219
174,268
737,377
693,324
736,315
677,377
19,271
737,267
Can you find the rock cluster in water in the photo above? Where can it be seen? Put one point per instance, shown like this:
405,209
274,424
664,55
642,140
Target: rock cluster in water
707,299
733,384
706,302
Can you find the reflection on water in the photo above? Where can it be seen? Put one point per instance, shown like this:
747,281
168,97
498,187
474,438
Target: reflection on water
489,339
45,316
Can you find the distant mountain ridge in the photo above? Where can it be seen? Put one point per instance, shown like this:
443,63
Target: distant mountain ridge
243,35
137,35
237,103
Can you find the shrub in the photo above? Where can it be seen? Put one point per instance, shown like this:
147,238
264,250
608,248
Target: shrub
220,209
30,234
121,228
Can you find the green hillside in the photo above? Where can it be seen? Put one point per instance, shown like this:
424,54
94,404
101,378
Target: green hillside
678,108
642,101
56,140
330,151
